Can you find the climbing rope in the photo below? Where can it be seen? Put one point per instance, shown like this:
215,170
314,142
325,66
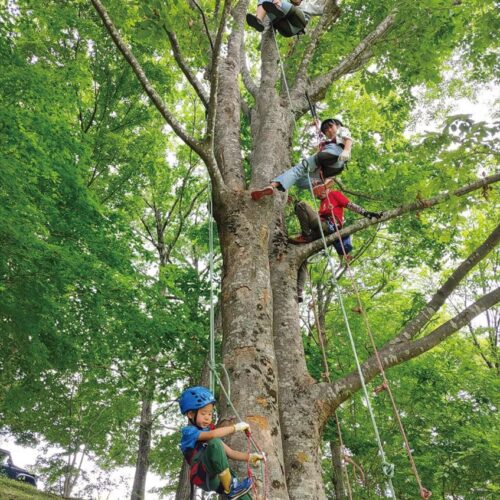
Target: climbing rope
327,376
211,277
283,75
424,493
372,416
386,466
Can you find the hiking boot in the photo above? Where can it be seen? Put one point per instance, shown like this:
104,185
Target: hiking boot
257,194
239,488
300,239
255,23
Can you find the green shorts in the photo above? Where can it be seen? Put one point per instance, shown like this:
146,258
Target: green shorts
214,459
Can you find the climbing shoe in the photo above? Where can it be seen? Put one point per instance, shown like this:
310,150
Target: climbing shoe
300,239
255,23
239,488
259,193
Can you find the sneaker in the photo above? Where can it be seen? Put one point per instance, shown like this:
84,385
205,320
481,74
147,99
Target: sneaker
272,8
260,193
239,488
255,23
300,239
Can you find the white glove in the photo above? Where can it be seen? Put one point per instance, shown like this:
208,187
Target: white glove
241,426
256,457
345,156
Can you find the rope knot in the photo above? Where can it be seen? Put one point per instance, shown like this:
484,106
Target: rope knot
425,494
380,388
388,469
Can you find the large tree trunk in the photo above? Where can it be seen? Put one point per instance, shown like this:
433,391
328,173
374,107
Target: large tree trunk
248,348
184,486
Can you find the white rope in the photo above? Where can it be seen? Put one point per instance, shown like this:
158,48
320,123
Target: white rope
387,468
212,304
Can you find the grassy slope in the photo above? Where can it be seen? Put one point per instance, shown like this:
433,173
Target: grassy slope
16,490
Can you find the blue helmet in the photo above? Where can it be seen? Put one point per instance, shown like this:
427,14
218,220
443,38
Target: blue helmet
195,398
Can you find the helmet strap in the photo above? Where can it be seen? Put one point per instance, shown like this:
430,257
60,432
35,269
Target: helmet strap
192,421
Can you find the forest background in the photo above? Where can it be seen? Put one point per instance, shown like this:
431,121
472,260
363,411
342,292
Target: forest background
104,279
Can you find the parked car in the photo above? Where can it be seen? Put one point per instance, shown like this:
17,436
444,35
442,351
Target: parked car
7,468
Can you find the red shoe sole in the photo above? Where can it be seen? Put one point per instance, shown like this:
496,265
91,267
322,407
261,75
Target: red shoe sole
260,193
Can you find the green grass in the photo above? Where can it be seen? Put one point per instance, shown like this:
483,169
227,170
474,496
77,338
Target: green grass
17,490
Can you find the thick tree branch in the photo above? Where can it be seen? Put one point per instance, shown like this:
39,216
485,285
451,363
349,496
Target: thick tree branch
394,353
204,19
250,85
390,356
300,253
417,323
214,76
331,14
228,147
351,63
181,62
200,148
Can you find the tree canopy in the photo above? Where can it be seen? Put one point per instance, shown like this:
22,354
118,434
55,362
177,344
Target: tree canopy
119,120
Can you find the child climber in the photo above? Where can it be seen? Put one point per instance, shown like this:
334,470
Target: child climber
329,161
331,215
205,452
275,10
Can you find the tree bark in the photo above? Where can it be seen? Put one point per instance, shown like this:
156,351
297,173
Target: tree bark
337,476
142,465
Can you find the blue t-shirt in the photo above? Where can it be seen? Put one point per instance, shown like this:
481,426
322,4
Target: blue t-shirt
189,436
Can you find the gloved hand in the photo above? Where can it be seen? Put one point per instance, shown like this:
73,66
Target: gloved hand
345,156
372,215
255,457
241,426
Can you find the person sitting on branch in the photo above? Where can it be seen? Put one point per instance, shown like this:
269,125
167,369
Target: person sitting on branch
204,451
328,162
285,16
331,216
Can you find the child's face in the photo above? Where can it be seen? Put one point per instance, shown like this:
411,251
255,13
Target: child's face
331,131
205,416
